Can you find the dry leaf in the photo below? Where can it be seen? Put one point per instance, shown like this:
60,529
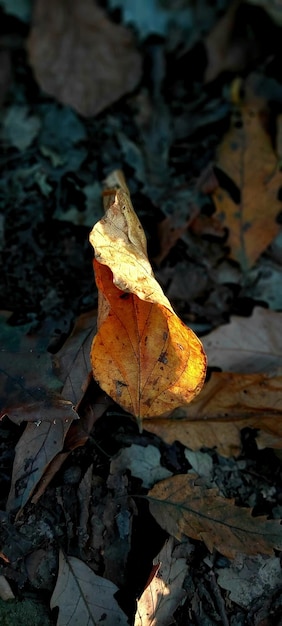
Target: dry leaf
71,362
143,356
6,592
164,593
51,428
142,462
227,404
80,57
83,597
246,156
40,442
183,508
247,344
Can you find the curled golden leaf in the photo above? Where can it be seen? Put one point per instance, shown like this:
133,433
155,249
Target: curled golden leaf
143,355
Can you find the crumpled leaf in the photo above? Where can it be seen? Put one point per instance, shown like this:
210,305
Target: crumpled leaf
80,57
143,356
250,205
247,344
227,404
83,597
182,507
165,592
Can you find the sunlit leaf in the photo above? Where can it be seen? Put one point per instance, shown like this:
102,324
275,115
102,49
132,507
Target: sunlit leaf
165,592
143,355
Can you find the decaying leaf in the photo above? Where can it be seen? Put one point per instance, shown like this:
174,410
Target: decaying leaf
182,507
247,157
227,404
80,57
71,362
164,593
31,393
247,578
83,597
40,442
143,356
247,344
143,462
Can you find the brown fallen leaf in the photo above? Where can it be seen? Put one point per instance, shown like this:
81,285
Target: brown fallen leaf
80,57
246,156
83,597
143,356
247,344
227,404
39,444
71,363
39,452
182,507
165,592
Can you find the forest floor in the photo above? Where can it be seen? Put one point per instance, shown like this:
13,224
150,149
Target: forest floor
186,99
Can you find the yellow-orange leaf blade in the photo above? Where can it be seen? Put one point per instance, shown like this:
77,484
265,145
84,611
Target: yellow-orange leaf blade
143,356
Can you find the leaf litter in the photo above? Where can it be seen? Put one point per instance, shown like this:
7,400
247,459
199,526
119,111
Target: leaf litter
54,163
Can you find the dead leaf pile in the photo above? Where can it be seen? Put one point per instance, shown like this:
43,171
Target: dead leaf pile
149,362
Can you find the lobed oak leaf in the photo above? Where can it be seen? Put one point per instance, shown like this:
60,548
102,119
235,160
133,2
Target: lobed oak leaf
143,355
182,507
83,597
